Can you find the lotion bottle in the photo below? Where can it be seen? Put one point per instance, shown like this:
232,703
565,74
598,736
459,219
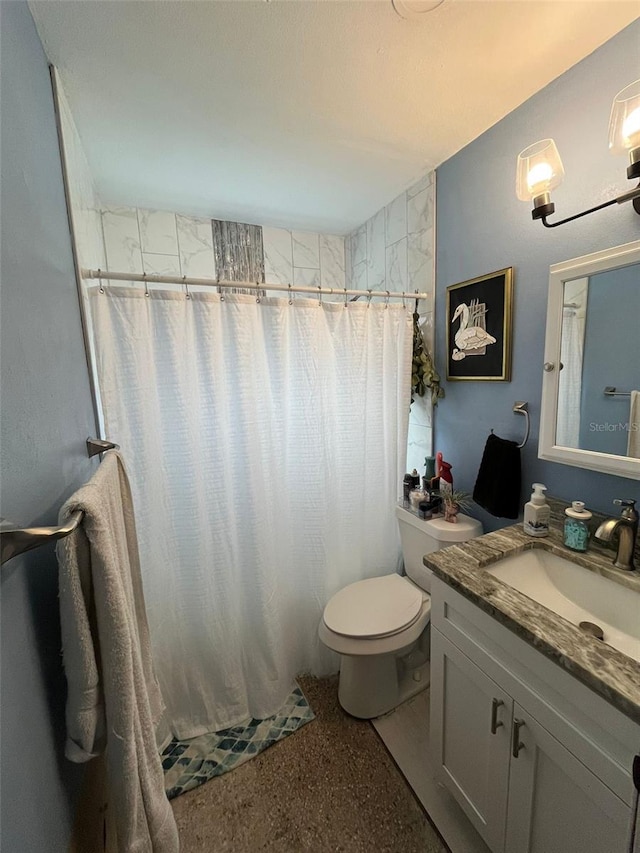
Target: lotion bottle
537,512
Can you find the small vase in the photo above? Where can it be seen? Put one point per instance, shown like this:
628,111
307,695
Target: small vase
451,513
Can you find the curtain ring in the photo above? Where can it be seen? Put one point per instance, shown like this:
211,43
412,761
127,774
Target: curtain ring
101,288
345,297
146,286
220,289
290,295
319,295
186,287
258,292
369,299
386,301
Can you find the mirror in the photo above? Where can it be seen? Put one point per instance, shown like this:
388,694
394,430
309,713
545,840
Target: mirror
590,418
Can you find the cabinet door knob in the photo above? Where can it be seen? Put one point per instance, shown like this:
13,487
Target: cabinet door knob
549,367
516,743
495,725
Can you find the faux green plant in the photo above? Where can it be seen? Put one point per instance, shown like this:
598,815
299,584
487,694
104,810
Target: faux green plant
423,372
457,498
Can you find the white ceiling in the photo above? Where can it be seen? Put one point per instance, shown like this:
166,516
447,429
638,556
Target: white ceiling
304,114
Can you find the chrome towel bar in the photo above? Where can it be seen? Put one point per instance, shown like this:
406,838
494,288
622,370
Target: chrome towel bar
612,391
17,540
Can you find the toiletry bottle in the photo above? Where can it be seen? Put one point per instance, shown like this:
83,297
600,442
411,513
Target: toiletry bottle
576,529
429,472
537,512
407,488
443,472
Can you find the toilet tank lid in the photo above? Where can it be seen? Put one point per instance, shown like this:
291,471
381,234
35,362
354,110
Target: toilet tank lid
441,530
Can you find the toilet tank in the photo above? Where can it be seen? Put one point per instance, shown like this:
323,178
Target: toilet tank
422,536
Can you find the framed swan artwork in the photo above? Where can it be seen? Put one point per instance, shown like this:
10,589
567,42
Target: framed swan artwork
479,318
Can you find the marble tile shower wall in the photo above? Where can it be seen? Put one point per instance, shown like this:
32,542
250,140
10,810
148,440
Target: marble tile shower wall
163,243
395,250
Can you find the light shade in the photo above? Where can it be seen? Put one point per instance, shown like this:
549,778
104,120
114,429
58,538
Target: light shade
539,170
624,124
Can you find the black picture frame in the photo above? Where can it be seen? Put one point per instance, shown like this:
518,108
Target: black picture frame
479,321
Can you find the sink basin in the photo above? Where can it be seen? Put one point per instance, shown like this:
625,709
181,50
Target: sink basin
576,594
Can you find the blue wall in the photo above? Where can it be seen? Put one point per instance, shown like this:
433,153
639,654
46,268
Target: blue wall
46,416
611,357
482,227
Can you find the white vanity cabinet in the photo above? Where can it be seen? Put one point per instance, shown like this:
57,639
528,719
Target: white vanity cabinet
554,801
538,762
470,725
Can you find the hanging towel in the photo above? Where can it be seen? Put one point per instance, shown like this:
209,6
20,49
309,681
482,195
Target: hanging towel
114,701
497,487
633,443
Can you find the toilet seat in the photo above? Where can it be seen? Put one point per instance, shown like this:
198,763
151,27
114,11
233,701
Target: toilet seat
374,608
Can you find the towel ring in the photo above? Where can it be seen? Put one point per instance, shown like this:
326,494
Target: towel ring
522,408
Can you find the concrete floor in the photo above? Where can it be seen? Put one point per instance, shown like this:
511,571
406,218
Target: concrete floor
331,786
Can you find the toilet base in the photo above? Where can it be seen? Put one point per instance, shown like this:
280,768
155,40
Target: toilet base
372,685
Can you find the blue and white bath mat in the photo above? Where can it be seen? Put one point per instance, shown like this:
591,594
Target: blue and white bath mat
189,763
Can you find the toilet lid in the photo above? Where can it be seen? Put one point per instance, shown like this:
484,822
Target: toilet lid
375,607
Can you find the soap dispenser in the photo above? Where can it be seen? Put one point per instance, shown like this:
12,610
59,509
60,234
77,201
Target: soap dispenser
537,513
576,530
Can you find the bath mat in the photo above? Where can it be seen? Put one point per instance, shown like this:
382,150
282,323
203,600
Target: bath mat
189,763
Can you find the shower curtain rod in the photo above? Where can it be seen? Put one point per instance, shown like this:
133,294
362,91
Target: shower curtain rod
248,285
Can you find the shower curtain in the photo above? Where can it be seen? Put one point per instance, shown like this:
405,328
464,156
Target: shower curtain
266,444
570,381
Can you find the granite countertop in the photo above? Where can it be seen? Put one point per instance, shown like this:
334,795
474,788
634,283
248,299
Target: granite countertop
607,671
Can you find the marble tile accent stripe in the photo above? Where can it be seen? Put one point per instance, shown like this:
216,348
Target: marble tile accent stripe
608,672
187,764
238,252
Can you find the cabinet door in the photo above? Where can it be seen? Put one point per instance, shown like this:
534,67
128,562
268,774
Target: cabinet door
470,726
557,805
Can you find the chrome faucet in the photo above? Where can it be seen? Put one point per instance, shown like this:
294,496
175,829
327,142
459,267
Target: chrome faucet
627,527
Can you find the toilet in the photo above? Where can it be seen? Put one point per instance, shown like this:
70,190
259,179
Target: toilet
380,626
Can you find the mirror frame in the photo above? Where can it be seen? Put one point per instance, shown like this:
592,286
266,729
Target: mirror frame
587,265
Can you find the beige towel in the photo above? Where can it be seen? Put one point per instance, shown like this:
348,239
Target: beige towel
114,700
633,443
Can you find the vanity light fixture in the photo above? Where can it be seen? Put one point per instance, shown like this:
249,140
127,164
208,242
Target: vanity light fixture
540,168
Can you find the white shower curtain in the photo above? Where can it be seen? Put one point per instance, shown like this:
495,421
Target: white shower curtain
266,445
570,381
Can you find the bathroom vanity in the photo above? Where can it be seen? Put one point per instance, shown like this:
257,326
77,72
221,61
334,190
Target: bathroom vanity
534,724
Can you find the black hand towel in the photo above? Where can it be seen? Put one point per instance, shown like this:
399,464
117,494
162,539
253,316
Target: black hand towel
497,487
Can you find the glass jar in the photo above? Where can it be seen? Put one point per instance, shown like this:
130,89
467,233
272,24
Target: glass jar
576,529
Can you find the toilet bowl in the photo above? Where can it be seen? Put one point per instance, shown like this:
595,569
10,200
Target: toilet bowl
381,626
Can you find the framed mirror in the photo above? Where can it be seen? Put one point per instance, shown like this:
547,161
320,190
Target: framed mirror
590,414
